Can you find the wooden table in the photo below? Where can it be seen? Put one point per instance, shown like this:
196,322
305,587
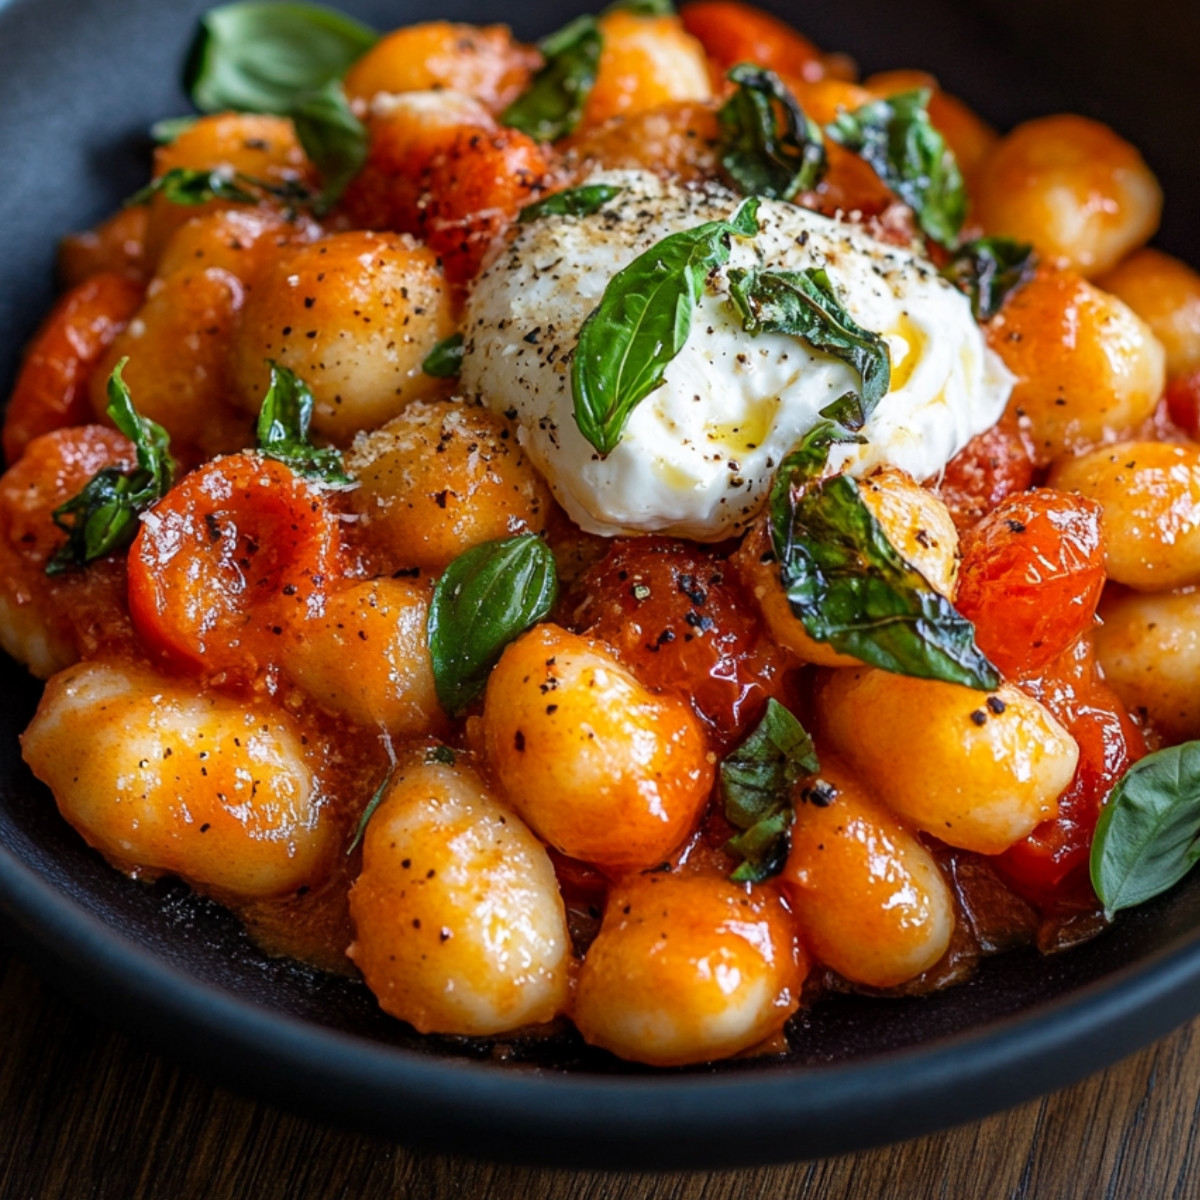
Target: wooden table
87,1115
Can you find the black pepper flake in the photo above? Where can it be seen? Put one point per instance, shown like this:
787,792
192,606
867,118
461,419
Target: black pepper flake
820,793
519,742
979,717
692,590
996,704
1015,526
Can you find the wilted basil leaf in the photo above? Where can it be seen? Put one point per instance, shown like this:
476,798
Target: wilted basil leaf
897,140
769,147
103,517
574,202
333,137
850,588
1148,835
283,423
265,56
484,599
805,304
756,785
183,186
553,104
988,269
444,361
643,321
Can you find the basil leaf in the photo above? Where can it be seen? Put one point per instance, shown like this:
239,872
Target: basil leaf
896,139
265,56
103,517
181,185
643,321
769,147
574,202
283,422
850,587
444,361
484,599
756,785
333,137
1148,835
553,104
643,8
988,269
164,132
806,305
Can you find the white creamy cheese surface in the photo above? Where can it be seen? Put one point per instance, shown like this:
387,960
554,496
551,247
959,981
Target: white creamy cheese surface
698,454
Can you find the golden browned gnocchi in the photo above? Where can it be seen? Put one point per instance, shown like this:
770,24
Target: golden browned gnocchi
688,968
226,794
459,927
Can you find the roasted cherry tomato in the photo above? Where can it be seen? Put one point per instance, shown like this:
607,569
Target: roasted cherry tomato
239,551
1056,853
1031,575
677,618
1183,403
733,33
988,469
52,389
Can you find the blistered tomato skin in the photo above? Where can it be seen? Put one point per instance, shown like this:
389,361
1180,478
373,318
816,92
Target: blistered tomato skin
992,466
600,767
1032,571
459,926
51,390
688,968
48,622
978,770
868,896
679,620
159,778
235,553
733,33
1057,851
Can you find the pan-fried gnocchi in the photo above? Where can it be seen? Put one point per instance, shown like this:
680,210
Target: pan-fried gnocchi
346,493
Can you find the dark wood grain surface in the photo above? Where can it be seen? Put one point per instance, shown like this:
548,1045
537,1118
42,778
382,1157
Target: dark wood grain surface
87,1115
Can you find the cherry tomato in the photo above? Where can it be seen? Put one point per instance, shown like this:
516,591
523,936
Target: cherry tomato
679,621
52,388
476,186
734,33
235,554
1183,403
1054,857
1031,575
988,469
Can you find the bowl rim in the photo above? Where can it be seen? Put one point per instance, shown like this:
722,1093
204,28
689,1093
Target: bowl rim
578,1119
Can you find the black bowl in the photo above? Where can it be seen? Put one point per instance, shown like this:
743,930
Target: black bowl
79,85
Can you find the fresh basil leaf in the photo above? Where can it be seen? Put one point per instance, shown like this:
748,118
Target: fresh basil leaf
574,202
850,588
283,422
103,517
265,56
805,304
164,132
1148,835
988,270
896,139
769,147
643,321
484,599
553,103
756,787
184,186
444,361
333,137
